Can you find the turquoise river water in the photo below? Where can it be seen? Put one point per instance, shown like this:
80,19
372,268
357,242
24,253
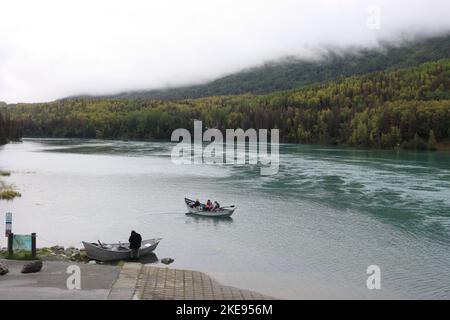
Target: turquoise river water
310,231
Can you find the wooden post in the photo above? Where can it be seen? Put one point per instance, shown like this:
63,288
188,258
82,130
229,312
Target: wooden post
10,243
33,245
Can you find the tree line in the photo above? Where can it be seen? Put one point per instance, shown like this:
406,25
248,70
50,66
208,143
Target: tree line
407,108
9,130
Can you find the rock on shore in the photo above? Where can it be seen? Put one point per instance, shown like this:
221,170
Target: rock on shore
70,253
3,269
167,260
32,267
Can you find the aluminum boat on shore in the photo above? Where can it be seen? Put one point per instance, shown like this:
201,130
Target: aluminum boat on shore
118,251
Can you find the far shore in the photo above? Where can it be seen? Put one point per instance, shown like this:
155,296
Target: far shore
443,146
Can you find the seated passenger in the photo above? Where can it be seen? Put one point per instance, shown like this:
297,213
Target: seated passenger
208,206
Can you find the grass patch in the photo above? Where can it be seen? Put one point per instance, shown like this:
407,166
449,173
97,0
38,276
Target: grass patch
9,194
24,256
4,173
6,191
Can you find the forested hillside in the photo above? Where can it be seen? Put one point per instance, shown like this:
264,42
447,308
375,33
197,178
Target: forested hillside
9,130
407,107
294,73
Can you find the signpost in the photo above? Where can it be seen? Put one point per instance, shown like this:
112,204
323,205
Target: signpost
19,242
8,228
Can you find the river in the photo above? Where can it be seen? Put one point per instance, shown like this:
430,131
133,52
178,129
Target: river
310,231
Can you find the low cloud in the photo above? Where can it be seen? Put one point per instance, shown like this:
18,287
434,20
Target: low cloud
50,49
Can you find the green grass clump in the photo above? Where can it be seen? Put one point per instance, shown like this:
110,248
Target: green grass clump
5,173
9,194
21,255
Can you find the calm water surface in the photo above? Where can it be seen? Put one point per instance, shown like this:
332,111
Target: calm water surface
310,231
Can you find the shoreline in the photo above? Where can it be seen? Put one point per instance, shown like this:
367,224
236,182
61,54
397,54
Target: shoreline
59,257
130,281
51,282
442,146
57,253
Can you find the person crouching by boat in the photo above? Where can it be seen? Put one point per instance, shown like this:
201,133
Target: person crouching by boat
216,206
208,205
135,241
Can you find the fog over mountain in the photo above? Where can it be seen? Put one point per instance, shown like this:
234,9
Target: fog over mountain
51,49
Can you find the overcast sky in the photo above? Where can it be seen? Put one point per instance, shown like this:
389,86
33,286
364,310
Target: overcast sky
52,49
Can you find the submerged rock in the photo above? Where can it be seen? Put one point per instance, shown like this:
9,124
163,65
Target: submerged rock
167,260
3,269
32,267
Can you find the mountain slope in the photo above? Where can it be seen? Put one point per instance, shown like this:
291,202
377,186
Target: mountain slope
409,107
293,73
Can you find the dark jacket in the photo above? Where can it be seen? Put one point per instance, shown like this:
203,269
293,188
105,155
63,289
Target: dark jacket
135,240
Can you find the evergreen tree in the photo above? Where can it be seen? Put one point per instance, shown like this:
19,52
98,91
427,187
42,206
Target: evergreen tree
432,141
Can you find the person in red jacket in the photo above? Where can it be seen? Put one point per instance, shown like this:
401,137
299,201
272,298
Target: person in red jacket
208,206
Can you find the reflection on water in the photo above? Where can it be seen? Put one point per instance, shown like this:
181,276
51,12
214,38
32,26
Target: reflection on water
209,220
310,231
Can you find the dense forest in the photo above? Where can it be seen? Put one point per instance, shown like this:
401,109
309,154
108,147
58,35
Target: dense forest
9,130
291,73
407,107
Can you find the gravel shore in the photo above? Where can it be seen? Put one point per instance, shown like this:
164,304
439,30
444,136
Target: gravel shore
51,282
